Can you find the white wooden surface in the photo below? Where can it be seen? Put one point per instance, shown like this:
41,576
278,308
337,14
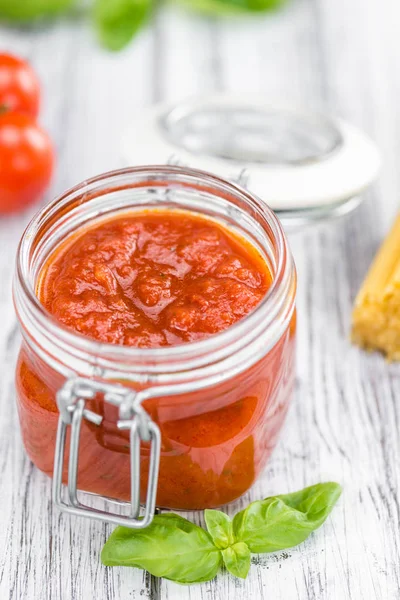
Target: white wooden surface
342,56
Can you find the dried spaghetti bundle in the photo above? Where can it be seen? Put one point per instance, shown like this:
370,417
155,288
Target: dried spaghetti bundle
376,315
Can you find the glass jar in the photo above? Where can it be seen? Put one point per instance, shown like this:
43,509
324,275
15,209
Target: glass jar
203,417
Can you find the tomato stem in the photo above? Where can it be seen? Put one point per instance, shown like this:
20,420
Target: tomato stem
3,108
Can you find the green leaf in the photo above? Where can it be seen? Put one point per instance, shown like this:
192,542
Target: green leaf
170,547
219,526
117,21
284,521
317,500
221,7
26,10
237,559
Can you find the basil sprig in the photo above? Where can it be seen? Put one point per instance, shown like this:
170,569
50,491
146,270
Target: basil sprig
174,548
117,21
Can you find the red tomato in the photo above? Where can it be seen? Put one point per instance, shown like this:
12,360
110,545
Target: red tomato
26,161
19,86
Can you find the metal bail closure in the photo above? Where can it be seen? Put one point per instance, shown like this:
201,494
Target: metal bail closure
71,400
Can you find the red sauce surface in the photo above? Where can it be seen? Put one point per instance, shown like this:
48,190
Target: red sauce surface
154,279
159,279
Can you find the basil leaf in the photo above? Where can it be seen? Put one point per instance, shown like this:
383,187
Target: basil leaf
25,10
284,521
170,547
317,500
237,559
221,7
117,21
219,526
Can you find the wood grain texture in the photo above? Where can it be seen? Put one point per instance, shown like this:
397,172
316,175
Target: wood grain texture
343,57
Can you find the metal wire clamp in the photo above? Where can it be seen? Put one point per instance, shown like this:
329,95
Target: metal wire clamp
71,400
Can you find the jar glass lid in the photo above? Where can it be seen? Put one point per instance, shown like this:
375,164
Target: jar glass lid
306,166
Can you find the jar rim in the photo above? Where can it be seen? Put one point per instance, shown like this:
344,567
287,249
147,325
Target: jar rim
24,290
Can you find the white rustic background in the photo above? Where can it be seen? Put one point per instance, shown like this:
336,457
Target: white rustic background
339,55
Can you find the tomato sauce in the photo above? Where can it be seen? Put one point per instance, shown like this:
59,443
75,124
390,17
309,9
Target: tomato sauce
154,279
157,279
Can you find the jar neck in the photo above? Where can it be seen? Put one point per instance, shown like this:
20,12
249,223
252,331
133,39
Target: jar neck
229,352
